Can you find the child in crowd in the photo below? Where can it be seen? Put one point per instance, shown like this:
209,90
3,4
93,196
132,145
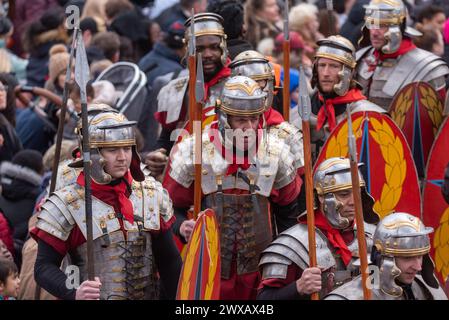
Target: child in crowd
9,280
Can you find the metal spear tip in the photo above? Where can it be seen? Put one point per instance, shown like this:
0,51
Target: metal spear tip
305,106
330,5
286,9
199,83
351,138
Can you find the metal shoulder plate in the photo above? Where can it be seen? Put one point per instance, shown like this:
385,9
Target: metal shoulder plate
362,52
66,207
293,138
415,65
171,96
436,294
279,162
151,202
351,290
292,246
365,105
181,166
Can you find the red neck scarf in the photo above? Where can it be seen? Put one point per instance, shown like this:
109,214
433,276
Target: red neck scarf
224,72
327,111
114,195
273,117
406,46
333,235
237,161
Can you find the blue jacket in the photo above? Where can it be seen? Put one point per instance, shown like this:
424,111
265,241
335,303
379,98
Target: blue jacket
160,61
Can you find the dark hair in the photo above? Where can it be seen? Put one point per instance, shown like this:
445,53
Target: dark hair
74,89
10,110
113,8
5,25
7,268
428,12
50,20
90,24
233,16
108,42
427,40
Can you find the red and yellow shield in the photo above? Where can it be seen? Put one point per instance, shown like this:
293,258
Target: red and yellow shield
435,208
201,270
418,111
389,170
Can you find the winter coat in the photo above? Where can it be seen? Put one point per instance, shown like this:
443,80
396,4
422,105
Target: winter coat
351,29
160,61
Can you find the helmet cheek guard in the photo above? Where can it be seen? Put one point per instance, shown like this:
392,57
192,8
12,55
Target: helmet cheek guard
394,39
331,210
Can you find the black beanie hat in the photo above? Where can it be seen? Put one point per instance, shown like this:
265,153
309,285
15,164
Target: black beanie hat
31,159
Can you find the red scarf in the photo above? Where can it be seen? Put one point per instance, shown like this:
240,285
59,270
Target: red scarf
114,195
333,235
327,111
406,46
224,72
237,162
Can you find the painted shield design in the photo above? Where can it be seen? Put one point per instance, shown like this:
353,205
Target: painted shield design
418,111
201,270
435,208
389,171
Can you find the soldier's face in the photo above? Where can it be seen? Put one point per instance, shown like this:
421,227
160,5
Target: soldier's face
245,130
328,74
209,47
347,209
377,37
118,160
409,267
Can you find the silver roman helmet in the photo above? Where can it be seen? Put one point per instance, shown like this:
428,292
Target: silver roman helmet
254,65
207,24
241,96
391,14
332,175
108,128
339,49
401,235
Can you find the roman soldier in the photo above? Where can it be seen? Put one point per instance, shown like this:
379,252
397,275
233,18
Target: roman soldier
404,269
392,60
284,264
132,215
254,65
172,111
333,72
242,174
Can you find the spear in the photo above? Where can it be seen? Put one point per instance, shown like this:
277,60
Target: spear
197,129
358,207
196,88
330,14
81,78
305,109
286,50
65,96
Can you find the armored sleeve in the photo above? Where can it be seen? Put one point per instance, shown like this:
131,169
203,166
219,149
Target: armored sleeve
286,171
55,218
181,165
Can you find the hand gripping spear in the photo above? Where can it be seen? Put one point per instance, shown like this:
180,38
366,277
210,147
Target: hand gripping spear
305,109
81,78
358,207
286,50
65,96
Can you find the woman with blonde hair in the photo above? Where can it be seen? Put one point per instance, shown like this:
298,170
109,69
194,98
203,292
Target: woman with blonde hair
303,18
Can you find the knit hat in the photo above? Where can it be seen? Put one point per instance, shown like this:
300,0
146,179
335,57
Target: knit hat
28,158
59,59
